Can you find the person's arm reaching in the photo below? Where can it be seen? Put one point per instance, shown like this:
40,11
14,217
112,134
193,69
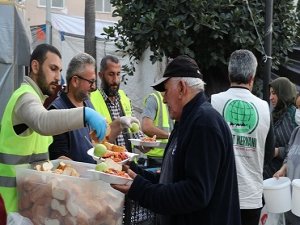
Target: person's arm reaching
281,172
96,122
127,121
30,111
150,129
149,114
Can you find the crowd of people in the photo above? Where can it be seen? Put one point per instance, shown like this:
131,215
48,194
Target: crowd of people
215,152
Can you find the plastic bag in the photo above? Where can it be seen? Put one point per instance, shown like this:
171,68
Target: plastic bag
267,218
16,219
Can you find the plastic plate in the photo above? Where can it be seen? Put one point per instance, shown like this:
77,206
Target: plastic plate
129,154
109,178
139,142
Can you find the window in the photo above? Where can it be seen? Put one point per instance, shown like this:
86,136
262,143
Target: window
54,3
103,6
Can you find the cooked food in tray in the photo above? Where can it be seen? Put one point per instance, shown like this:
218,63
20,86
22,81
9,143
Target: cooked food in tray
110,172
146,142
149,139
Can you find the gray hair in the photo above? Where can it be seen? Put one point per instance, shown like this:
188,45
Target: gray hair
196,84
105,59
77,65
242,66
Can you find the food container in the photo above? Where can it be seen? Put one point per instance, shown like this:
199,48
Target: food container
296,197
277,194
49,198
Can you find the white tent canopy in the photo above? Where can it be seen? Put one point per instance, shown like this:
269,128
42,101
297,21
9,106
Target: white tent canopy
68,37
75,25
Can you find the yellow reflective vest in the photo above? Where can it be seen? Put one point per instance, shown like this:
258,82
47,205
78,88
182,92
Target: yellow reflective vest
17,150
160,121
101,107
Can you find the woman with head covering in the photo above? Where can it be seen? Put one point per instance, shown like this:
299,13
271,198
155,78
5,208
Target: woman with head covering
282,98
290,167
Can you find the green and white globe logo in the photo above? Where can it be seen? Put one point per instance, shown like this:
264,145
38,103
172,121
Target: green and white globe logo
241,116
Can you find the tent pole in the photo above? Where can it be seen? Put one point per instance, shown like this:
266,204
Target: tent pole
268,48
48,22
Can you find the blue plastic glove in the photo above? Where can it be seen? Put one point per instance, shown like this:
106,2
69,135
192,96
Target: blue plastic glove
96,122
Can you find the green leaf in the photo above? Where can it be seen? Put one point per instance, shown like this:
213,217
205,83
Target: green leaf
208,30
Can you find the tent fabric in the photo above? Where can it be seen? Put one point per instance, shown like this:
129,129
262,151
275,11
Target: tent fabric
75,25
137,87
38,34
6,28
13,36
15,51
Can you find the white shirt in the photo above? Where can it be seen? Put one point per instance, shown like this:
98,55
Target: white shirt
249,120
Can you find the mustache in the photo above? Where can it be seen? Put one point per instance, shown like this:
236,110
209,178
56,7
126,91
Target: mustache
56,83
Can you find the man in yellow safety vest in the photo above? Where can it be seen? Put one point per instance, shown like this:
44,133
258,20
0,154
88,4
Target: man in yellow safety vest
156,121
111,102
27,127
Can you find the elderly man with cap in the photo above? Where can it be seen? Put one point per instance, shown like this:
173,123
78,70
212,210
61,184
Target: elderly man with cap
198,182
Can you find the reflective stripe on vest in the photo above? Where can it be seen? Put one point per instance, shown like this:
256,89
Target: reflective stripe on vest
8,181
16,149
161,121
12,159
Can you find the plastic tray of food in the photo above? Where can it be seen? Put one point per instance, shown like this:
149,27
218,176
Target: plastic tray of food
116,156
46,197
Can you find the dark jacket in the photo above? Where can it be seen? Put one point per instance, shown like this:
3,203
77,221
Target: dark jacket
204,189
71,144
283,129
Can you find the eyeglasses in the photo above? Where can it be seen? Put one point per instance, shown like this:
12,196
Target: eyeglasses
91,82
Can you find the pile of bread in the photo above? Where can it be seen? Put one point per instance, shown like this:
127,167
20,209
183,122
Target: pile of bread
62,168
52,199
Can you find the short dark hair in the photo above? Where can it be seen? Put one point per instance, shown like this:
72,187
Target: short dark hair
105,59
39,53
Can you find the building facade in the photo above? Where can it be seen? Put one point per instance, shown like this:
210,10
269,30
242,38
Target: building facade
35,10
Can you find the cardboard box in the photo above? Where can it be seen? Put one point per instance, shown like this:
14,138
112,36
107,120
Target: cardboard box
55,199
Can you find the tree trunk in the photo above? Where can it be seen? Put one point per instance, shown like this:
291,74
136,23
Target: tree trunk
89,36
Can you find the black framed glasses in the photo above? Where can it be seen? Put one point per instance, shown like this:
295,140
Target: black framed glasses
91,82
